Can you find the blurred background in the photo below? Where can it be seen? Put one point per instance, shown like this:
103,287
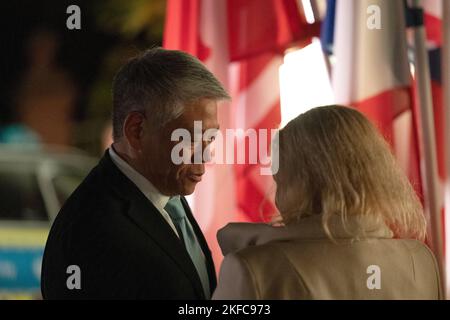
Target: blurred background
55,106
278,58
56,82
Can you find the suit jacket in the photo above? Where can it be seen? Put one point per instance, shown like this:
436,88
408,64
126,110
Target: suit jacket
301,262
122,245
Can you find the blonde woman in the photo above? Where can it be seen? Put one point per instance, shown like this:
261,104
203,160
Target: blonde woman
353,226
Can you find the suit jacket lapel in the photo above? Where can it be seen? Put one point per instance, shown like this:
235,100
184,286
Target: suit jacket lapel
148,218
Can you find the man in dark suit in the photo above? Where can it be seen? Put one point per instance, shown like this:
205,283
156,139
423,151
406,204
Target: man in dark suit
127,230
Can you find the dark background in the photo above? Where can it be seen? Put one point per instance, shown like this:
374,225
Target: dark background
111,32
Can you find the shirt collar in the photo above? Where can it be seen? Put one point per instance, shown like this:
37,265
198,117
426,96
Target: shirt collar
144,185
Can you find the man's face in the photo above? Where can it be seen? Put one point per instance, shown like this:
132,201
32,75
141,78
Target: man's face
168,177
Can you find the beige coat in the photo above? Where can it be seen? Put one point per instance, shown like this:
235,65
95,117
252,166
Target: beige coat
300,262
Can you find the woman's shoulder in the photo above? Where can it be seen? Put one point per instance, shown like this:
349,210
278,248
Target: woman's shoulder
258,241
236,236
245,237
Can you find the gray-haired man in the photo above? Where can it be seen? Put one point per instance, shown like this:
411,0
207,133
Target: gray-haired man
127,231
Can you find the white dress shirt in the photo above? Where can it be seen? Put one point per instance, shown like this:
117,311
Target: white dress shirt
146,187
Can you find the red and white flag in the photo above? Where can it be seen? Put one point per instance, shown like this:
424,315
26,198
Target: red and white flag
199,27
259,32
434,29
242,43
372,74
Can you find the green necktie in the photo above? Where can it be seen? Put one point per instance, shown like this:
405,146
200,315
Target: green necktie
176,211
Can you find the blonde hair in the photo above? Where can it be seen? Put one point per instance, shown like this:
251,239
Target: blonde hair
333,162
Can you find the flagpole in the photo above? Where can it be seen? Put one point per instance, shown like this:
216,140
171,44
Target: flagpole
446,102
316,14
423,94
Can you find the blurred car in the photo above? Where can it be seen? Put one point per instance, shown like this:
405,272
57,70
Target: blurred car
34,183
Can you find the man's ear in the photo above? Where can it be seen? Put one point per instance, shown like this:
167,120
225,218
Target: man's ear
133,129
